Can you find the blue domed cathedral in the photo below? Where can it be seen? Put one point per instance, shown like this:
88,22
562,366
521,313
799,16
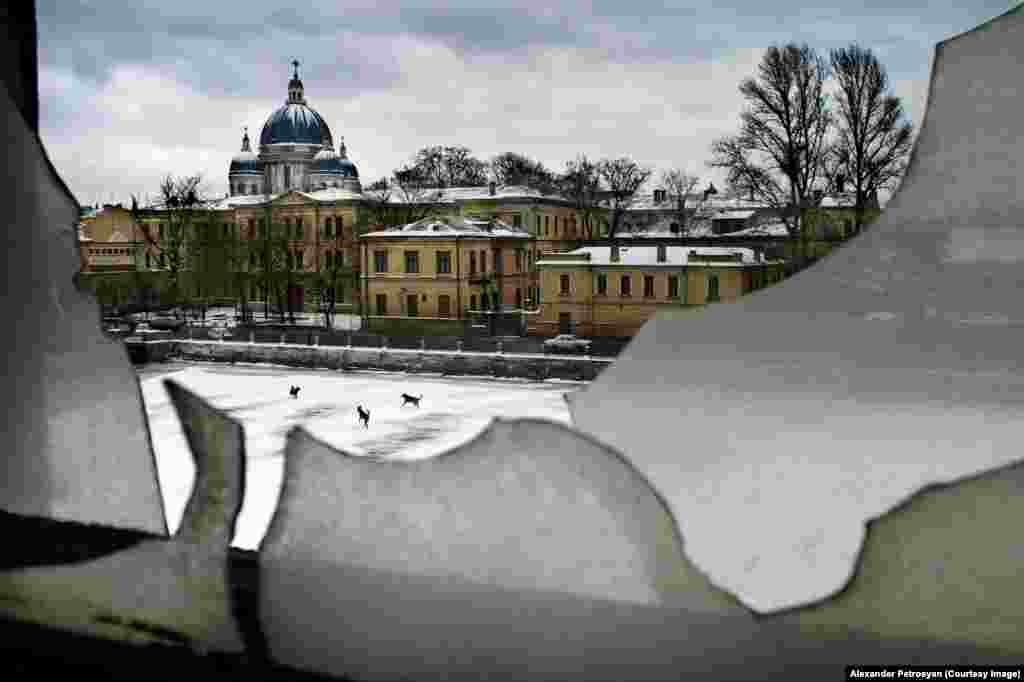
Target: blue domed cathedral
296,232
296,153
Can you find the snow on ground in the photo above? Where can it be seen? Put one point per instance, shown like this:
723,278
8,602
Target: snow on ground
452,412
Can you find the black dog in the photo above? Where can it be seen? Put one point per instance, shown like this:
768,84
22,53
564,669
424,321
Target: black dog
364,416
294,391
406,399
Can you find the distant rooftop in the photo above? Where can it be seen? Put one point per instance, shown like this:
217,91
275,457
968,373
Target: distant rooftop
647,256
446,227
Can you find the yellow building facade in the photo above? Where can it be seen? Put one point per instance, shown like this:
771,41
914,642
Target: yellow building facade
613,290
444,268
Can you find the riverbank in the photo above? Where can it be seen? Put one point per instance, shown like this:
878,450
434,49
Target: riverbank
345,358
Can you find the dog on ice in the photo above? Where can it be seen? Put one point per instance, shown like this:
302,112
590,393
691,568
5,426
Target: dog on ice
411,399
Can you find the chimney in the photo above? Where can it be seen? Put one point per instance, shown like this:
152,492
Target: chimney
492,187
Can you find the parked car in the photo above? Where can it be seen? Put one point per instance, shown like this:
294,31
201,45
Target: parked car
122,326
567,343
166,322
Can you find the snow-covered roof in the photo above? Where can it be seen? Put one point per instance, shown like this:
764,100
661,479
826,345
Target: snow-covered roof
777,229
646,202
647,256
451,195
733,214
332,194
446,227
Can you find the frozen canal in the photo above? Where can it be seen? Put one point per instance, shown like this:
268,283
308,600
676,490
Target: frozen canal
453,411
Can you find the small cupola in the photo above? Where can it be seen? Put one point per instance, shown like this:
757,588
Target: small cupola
295,92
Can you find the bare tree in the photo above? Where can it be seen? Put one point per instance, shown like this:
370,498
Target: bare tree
181,208
873,142
445,167
398,201
511,168
679,185
581,185
623,178
779,154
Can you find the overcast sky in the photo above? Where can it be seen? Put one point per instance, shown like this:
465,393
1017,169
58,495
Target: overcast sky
131,93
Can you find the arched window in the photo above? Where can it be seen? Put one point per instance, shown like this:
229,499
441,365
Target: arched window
712,288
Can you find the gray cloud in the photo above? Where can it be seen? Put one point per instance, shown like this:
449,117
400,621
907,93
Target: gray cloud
145,88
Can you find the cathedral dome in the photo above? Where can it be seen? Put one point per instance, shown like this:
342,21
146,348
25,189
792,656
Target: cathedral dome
245,162
328,161
296,122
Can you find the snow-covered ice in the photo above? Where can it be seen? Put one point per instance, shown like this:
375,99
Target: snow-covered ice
453,411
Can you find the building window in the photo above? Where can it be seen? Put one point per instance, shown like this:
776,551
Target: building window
160,260
519,298
538,226
517,220
444,262
444,306
339,259
287,177
519,260
547,223
499,262
328,260
147,261
412,305
712,288
412,262
300,229
564,287
602,285
252,228
328,228
673,286
472,302
472,262
662,253
382,304
252,189
483,261
380,261
300,259
626,287
648,286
